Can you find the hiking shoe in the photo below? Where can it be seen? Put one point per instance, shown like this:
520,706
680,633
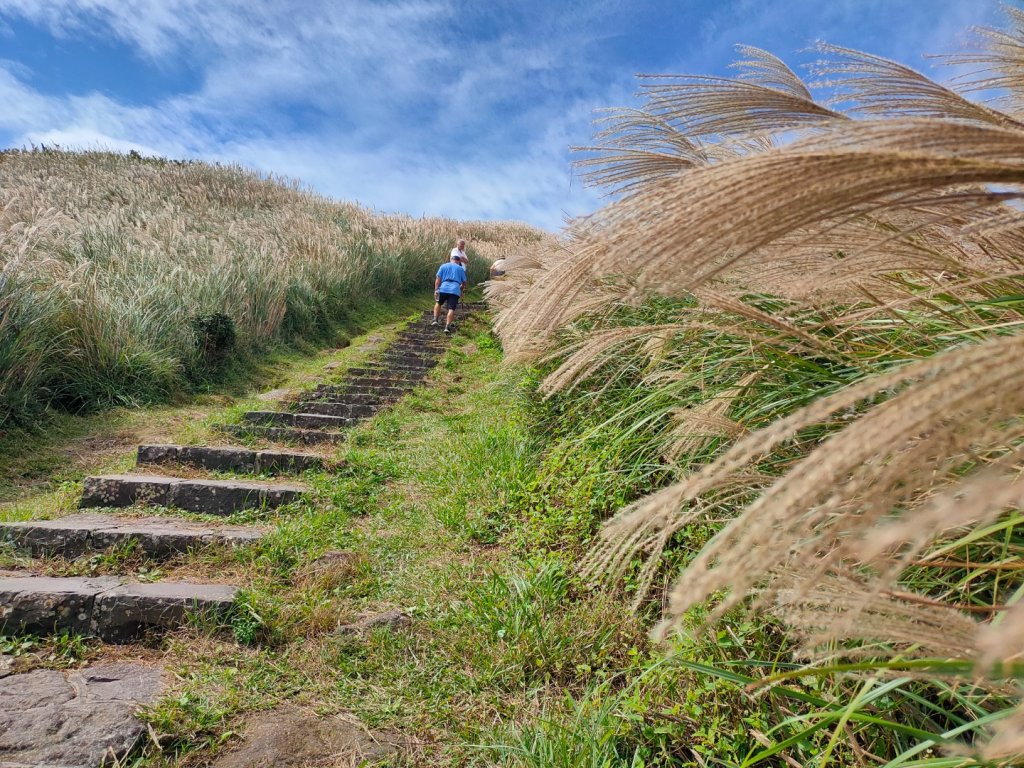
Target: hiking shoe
434,324
448,330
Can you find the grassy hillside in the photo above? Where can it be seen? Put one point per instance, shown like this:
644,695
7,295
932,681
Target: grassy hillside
128,280
790,431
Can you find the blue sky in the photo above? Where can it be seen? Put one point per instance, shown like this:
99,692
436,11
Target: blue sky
460,108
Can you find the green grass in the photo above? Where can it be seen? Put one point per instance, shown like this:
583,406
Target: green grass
494,634
137,281
467,505
37,460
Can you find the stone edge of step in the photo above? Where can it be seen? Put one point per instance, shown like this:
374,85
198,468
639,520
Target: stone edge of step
74,535
111,608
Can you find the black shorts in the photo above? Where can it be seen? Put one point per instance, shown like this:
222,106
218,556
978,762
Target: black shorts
450,299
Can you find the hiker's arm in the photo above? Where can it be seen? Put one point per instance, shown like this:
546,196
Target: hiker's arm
437,282
462,288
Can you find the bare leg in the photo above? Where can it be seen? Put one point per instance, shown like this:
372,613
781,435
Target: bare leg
437,310
449,318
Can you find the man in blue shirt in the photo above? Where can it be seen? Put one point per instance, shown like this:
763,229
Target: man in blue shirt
449,284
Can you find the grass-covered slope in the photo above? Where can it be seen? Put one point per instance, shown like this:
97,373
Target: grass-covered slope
797,418
128,280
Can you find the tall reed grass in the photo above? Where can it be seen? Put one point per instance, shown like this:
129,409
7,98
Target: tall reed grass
109,263
803,317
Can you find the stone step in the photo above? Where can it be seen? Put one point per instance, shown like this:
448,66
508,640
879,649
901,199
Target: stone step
285,435
429,343
211,497
418,345
300,420
407,360
393,373
376,384
108,607
230,459
351,397
74,535
345,410
408,357
403,364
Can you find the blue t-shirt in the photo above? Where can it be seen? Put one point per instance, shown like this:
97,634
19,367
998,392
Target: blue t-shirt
452,277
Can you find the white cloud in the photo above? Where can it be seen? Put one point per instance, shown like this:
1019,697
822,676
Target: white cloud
401,106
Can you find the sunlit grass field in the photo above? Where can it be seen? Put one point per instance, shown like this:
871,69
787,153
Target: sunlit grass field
128,280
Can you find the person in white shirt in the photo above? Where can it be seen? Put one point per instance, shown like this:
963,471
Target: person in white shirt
460,251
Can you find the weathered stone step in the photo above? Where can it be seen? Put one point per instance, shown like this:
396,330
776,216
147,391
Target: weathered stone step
286,435
80,718
74,535
300,420
376,384
108,607
392,373
353,398
431,343
404,360
230,459
418,346
343,409
415,355
403,365
407,361
211,497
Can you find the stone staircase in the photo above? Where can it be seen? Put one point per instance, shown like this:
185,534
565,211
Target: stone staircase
117,610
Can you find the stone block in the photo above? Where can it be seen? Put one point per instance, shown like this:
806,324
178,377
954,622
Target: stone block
41,604
386,375
125,490
48,536
320,421
275,462
157,454
343,409
213,497
124,613
218,458
287,435
74,535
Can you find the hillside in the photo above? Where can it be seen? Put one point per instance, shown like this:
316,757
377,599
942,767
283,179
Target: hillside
127,280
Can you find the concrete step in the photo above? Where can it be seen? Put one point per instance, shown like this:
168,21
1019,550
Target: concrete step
429,343
345,410
230,459
285,435
352,398
402,364
112,609
377,384
406,360
392,373
300,420
417,346
74,535
211,497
